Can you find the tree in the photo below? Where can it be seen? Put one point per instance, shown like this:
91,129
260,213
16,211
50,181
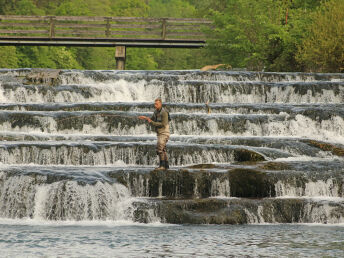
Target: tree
171,8
257,34
243,31
168,59
275,35
322,50
8,58
20,7
73,8
141,59
134,8
47,57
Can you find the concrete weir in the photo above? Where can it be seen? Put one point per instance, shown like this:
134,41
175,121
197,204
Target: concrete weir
268,148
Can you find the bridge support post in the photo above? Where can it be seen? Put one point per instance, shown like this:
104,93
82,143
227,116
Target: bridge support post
120,57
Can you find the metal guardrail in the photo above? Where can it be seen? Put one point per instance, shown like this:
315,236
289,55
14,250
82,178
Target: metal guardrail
102,31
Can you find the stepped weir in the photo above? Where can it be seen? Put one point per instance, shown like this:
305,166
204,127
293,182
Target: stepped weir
271,149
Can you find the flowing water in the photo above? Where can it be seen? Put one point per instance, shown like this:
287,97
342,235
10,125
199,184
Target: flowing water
77,171
156,240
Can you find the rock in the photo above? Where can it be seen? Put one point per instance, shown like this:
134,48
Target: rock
247,155
274,166
326,147
42,76
202,166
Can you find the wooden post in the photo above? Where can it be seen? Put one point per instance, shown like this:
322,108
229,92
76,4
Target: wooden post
163,27
120,57
107,30
52,27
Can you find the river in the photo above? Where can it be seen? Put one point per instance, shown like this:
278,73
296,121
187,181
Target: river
259,171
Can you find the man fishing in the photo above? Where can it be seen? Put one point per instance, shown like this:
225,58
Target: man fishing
160,121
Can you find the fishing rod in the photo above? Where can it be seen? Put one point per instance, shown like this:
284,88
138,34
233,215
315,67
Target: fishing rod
111,115
82,116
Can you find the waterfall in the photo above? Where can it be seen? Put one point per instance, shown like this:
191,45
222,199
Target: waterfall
221,189
268,148
319,188
70,201
35,198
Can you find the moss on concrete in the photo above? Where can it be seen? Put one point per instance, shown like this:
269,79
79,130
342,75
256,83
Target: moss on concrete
247,155
274,166
327,147
202,166
42,76
250,183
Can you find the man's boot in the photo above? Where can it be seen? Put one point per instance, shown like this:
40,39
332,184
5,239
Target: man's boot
166,164
161,166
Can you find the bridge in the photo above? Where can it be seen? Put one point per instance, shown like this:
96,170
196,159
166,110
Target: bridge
119,32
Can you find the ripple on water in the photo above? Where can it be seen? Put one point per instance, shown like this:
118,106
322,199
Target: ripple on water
172,240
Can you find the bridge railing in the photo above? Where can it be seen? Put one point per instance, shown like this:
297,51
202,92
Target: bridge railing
119,32
81,27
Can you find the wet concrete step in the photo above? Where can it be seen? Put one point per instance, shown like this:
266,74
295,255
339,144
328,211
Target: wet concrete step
191,91
283,179
142,153
34,73
245,211
60,197
310,110
293,146
127,123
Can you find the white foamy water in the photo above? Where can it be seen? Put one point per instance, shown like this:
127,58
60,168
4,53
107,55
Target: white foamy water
31,197
79,86
220,188
282,125
99,201
48,199
307,158
320,188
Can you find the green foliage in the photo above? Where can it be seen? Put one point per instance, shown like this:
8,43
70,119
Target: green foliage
20,7
323,48
7,6
274,35
248,35
129,8
173,59
283,45
258,35
141,59
73,8
63,58
101,58
43,57
27,7
171,8
9,58
241,33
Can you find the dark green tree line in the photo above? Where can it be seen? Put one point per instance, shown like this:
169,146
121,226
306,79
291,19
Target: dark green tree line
271,35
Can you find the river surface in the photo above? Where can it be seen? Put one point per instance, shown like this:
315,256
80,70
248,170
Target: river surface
125,239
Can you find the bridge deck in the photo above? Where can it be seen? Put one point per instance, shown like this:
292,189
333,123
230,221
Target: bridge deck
102,31
105,42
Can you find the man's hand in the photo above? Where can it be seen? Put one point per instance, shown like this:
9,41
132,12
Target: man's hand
145,118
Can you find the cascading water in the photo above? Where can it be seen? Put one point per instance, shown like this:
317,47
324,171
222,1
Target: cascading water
72,147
